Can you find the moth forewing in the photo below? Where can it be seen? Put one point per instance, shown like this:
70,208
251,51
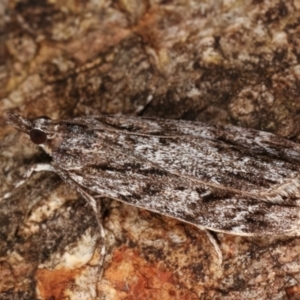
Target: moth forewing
221,178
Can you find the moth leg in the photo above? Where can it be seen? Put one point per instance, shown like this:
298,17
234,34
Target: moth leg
27,174
141,108
92,202
216,246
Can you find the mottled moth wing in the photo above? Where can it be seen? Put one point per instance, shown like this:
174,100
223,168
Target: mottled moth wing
220,178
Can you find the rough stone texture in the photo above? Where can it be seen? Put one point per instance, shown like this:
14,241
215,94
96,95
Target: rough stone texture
234,62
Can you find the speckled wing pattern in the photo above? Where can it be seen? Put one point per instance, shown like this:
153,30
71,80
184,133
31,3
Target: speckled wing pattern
221,178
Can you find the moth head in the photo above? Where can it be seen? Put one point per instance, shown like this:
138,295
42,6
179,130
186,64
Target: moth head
42,131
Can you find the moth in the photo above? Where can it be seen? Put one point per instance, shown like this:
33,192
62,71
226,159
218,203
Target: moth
220,178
